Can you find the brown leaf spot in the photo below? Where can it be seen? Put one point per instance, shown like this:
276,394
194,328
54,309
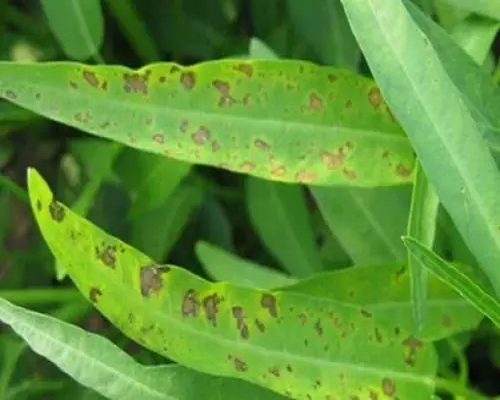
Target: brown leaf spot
268,301
315,102
190,305
83,118
107,255
174,69
289,368
278,171
378,336
91,78
73,85
188,80
162,79
374,97
104,85
94,294
332,78
388,387
275,371
151,278
136,83
305,177
240,322
201,136
184,125
413,345
247,166
245,68
366,313
247,99
240,365
159,138
260,326
57,211
211,306
303,318
403,171
373,395
331,160
224,90
10,94
446,321
262,145
38,205
319,327
215,146
348,104
350,174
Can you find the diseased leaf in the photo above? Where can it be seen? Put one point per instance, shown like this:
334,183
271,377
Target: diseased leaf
368,223
438,120
77,24
227,267
289,121
279,214
96,363
234,331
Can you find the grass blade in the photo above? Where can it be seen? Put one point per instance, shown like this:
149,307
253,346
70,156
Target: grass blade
451,150
233,331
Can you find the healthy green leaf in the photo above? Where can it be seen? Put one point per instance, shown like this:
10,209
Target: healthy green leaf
488,8
384,291
233,331
478,294
227,267
421,225
95,362
77,24
279,214
438,121
287,121
368,223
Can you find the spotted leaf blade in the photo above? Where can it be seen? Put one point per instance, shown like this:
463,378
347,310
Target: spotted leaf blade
336,350
288,121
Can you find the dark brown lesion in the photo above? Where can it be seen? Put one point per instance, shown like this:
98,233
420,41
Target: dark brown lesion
268,301
151,278
211,306
57,211
190,304
107,255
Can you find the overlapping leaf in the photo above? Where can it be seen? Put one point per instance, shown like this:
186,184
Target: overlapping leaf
235,331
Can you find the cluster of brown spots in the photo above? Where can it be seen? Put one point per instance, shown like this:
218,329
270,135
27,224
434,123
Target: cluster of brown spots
303,318
275,371
332,160
73,85
318,327
262,145
378,336
107,255
159,138
260,325
413,345
315,102
388,387
247,166
94,294
211,306
201,136
183,127
374,97
91,78
239,364
190,305
365,313
215,146
245,68
136,83
57,211
350,174
10,95
224,89
83,118
403,171
305,177
268,301
240,322
151,278
188,80
278,171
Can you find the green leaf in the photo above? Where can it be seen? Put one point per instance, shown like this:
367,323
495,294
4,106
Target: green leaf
438,121
279,214
288,121
422,225
78,26
324,25
233,331
368,223
488,8
96,363
479,294
226,267
260,50
384,291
